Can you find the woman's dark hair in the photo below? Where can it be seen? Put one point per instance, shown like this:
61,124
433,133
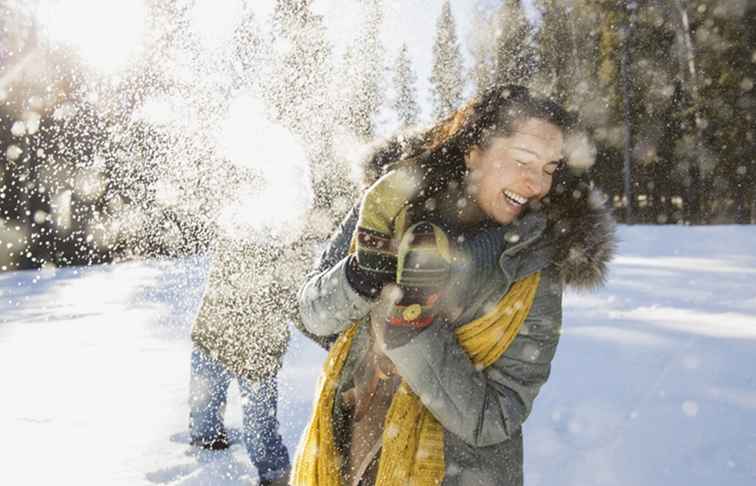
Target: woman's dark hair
440,151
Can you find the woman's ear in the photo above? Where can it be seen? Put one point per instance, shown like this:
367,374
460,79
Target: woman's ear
472,157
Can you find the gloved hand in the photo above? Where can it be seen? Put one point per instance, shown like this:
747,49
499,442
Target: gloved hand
422,273
420,267
364,281
426,267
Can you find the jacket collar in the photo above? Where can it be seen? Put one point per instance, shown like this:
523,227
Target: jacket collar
525,232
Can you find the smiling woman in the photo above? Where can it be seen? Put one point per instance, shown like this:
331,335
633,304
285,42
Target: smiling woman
105,33
447,313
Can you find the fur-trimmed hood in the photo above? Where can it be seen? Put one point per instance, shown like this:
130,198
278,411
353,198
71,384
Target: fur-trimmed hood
584,232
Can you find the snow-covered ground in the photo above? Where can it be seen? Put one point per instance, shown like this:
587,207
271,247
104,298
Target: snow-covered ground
653,383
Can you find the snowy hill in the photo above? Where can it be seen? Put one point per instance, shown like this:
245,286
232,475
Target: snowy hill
653,382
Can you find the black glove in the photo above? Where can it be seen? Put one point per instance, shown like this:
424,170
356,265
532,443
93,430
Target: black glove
365,282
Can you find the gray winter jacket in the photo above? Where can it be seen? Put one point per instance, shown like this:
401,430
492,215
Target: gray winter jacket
481,410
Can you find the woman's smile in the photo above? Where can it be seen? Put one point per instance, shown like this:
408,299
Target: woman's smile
514,198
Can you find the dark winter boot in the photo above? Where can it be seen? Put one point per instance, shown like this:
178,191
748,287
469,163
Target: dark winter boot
282,481
218,443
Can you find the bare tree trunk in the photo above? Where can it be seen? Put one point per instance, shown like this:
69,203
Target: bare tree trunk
694,194
627,93
742,194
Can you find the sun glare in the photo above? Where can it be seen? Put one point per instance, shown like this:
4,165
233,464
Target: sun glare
248,139
238,136
213,24
105,33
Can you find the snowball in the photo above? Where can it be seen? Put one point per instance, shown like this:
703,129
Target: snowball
18,129
13,152
579,151
690,408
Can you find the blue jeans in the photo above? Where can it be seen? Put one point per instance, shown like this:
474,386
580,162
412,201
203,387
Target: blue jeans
207,402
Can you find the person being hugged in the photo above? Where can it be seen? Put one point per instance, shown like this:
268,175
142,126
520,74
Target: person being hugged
446,302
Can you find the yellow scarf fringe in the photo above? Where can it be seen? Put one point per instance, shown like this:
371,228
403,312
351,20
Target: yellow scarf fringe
413,440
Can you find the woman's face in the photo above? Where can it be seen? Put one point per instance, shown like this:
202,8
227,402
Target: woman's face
514,169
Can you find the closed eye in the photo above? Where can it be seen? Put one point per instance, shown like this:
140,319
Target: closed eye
549,169
552,167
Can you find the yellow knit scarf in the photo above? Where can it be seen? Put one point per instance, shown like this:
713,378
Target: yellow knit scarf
413,440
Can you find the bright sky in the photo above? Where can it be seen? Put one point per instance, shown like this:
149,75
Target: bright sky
112,33
114,29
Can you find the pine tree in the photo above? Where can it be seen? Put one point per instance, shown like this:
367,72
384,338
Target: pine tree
300,90
289,16
482,41
557,51
363,65
250,50
405,101
668,186
516,56
446,74
301,70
